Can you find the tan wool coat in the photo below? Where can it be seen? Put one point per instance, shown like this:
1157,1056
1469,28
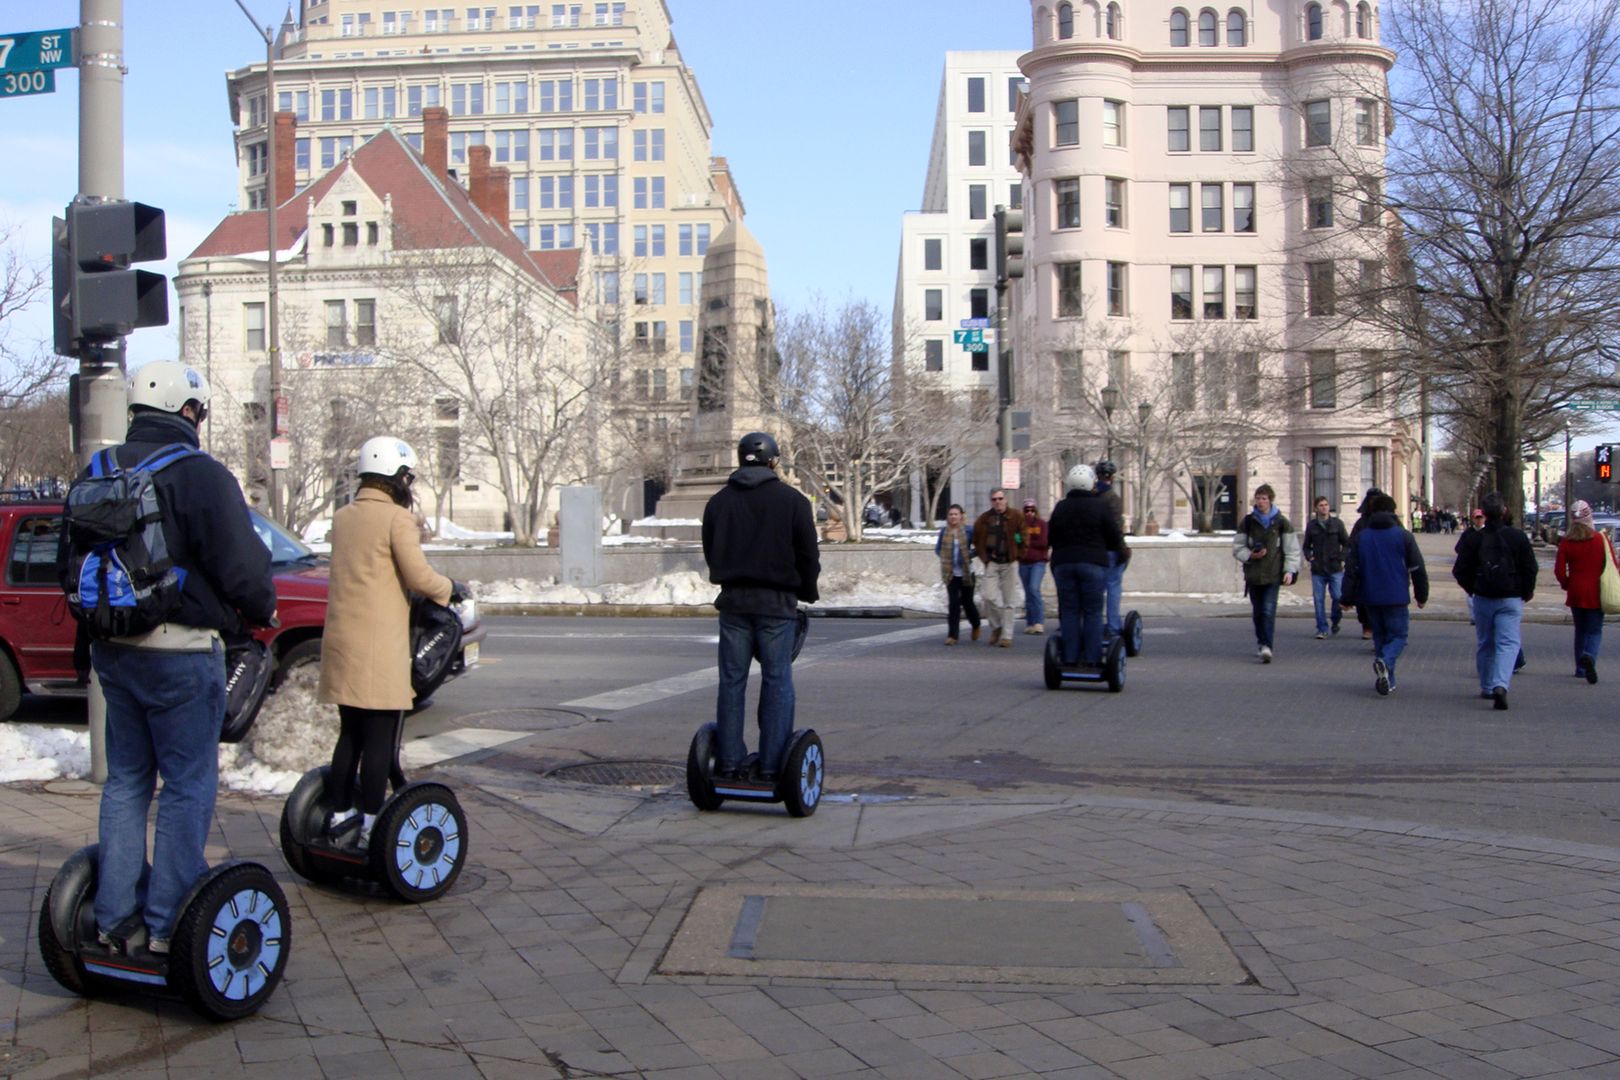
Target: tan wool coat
366,647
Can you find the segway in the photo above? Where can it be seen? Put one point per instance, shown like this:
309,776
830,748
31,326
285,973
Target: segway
1111,671
227,955
1131,631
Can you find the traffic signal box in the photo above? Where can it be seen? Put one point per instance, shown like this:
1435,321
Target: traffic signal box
1603,462
1009,244
97,297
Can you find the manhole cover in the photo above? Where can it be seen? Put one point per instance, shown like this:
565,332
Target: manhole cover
621,773
14,1059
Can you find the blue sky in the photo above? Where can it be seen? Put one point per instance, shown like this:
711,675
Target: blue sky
827,137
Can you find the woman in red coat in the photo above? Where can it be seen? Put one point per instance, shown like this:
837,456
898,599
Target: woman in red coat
1581,555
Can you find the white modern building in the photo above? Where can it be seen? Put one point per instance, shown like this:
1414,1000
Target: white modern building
946,271
1203,222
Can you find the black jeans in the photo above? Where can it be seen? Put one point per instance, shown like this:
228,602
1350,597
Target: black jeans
959,597
369,739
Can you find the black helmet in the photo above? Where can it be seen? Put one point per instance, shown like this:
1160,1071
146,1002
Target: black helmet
1105,470
756,448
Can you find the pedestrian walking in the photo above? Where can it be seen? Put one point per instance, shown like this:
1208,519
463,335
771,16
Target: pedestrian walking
1582,554
1384,571
1326,544
954,547
1084,531
1032,568
1268,547
1497,569
998,541
1355,531
1106,470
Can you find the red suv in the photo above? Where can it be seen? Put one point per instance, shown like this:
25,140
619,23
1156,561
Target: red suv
37,633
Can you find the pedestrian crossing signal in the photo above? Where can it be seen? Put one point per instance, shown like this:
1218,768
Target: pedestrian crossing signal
1602,458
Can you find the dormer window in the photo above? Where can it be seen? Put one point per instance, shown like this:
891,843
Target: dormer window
350,208
328,235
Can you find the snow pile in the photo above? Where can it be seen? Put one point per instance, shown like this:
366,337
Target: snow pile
35,752
688,588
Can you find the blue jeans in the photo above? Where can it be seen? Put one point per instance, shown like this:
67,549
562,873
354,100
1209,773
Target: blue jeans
1588,634
1390,624
1080,589
769,640
164,713
1115,584
1263,600
1496,633
1330,584
1030,575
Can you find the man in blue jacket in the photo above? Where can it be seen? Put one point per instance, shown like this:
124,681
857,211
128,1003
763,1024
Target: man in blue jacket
1378,568
759,539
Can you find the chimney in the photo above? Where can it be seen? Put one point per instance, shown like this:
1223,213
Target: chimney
286,155
478,175
498,194
436,140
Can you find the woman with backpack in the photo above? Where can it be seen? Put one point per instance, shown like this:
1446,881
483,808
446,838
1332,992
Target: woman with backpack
366,648
1582,554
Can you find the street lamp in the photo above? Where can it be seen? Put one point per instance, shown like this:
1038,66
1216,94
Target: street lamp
208,345
1110,402
1144,412
1534,458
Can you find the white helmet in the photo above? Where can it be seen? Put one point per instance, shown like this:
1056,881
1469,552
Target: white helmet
385,456
166,385
1081,478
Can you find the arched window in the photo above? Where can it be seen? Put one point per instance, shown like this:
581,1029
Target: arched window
1113,24
1178,28
1363,21
1237,28
1207,31
1065,21
1313,22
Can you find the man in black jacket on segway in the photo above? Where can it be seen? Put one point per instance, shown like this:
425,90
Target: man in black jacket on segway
759,539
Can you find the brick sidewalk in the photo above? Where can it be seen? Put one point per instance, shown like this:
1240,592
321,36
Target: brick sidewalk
1373,950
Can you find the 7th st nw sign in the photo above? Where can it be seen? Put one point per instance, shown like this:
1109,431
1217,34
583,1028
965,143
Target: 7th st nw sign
37,50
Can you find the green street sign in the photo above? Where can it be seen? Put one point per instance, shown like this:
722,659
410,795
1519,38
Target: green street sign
38,50
967,337
22,83
1593,406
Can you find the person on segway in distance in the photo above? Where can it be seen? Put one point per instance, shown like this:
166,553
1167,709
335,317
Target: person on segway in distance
1084,534
1106,470
377,561
759,539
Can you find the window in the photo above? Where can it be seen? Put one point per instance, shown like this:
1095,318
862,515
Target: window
1245,289
648,144
978,254
257,157
301,155
1069,300
1323,378
975,95
1248,379
1183,381
556,144
1313,22
1370,198
1372,377
607,283
979,303
933,253
602,190
1366,122
1065,21
934,355
601,94
648,192
1066,121
1116,289
1208,34
295,102
1319,288
1318,123
511,146
512,97
556,95
1119,369
351,234
1015,84
687,285
1015,195
978,196
1181,304
933,304
1181,208
1217,378
1071,377
449,324
1371,284
556,192
685,330
1363,21
601,144
33,554
419,97
467,99
1319,203
1209,128
1178,28
1178,135
365,322
1068,203
328,234
1212,200
1114,203
337,324
1113,23
520,193
459,141
1242,129
1237,28
253,327
1113,123
1214,292
1243,208
647,97
976,148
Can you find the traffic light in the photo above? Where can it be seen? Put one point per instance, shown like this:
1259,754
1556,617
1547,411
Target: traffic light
97,298
1009,244
1601,459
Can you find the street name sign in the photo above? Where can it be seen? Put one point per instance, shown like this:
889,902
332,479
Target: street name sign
37,50
22,83
1593,406
975,324
975,346
967,337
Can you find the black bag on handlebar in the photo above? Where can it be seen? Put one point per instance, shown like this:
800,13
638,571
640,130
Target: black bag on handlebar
435,644
248,667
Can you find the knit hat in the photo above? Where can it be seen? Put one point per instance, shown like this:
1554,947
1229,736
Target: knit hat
1029,504
1581,512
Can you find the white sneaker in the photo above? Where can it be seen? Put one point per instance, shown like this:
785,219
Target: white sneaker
365,831
1265,654
339,820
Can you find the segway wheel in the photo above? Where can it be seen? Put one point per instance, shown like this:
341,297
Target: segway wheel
805,773
1131,630
1114,665
419,842
1054,662
231,945
700,769
303,816
71,890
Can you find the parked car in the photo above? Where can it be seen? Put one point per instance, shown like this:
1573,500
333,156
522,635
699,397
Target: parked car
37,632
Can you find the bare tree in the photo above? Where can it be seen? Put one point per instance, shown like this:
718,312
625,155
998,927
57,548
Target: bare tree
27,367
34,449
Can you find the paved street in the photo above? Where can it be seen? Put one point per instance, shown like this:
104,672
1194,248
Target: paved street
1347,886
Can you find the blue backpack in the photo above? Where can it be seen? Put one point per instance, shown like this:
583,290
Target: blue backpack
122,581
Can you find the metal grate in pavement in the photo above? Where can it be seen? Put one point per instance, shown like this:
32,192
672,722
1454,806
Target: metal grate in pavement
621,773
